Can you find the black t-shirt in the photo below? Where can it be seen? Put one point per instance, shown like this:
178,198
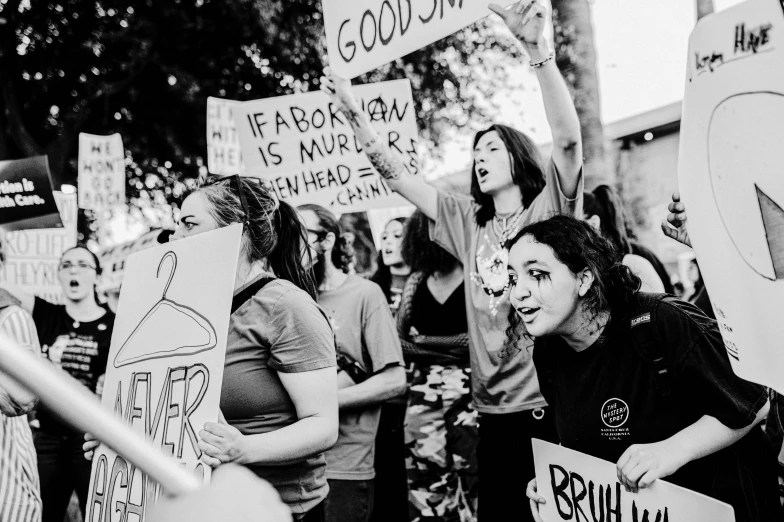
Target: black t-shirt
430,317
80,348
607,398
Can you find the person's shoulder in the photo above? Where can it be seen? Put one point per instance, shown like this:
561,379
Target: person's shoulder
281,294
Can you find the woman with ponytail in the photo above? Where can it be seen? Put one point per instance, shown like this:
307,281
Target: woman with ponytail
603,210
642,380
279,395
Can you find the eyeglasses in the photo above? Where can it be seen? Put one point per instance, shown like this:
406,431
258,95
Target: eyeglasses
67,265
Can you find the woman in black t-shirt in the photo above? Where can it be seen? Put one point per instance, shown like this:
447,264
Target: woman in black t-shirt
639,379
76,337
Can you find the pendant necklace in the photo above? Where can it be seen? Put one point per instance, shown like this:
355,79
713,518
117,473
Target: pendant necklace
506,228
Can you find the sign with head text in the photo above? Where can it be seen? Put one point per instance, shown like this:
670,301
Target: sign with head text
101,171
307,150
730,177
165,367
32,256
223,146
364,35
578,487
26,199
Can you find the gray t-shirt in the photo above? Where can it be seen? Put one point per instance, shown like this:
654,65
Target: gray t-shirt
365,332
503,378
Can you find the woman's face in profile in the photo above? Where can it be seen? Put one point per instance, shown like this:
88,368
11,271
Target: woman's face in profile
195,217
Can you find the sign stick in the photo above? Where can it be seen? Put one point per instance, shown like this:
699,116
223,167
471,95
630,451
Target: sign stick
81,409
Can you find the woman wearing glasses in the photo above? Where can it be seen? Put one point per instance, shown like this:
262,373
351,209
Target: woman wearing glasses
76,337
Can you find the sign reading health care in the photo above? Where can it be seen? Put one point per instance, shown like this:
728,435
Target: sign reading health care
364,35
165,367
101,171
580,487
730,176
307,151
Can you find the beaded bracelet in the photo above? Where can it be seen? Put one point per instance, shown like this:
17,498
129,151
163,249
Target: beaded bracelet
536,65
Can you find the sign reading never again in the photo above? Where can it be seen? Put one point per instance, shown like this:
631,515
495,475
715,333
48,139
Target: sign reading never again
101,171
729,172
26,199
364,35
307,150
579,487
165,368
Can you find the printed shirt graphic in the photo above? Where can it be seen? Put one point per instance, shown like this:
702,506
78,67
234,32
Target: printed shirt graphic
80,348
503,378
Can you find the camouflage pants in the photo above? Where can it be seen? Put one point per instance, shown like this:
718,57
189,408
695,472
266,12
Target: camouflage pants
441,440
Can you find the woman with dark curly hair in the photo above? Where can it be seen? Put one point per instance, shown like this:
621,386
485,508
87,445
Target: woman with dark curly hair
441,427
678,410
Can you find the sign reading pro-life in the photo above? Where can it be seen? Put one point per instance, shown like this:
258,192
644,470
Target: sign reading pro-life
308,152
101,171
364,35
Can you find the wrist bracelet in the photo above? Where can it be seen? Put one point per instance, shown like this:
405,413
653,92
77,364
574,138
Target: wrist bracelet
536,65
372,142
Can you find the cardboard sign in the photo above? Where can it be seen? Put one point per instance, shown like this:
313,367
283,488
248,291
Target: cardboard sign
580,487
223,146
165,367
309,154
32,256
730,176
26,199
364,35
101,171
113,259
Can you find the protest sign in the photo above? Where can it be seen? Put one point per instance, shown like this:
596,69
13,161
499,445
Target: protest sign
26,199
101,171
578,487
32,256
729,171
223,146
309,154
113,259
166,361
364,35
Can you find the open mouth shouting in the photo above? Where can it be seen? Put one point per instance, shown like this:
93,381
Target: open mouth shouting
482,174
527,313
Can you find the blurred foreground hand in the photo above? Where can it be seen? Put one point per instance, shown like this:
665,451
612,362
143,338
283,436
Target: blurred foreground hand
235,494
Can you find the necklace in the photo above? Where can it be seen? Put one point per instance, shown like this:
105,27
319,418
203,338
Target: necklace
506,228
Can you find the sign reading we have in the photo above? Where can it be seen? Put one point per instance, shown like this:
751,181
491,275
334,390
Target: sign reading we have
364,35
578,487
165,368
101,171
308,151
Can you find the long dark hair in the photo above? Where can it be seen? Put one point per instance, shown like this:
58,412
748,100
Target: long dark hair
343,251
527,170
383,275
419,251
606,203
577,245
272,228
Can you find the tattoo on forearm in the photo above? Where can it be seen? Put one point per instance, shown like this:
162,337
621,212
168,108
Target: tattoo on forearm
387,164
353,116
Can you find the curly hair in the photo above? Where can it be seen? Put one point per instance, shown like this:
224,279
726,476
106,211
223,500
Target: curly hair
419,251
577,245
343,251
527,171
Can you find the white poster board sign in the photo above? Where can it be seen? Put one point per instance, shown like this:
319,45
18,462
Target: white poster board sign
32,256
308,151
364,35
223,146
101,171
730,176
578,487
113,259
166,361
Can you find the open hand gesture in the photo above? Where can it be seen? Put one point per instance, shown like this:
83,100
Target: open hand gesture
527,20
338,90
675,225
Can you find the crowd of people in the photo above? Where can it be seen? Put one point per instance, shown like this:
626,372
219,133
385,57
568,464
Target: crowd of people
412,394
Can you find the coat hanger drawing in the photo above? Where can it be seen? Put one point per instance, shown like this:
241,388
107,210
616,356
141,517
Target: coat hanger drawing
169,329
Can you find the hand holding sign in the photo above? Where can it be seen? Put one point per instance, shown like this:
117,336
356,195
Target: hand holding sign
641,464
675,225
220,443
535,499
527,20
339,92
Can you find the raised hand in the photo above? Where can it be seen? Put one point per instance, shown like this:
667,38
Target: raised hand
339,91
675,224
527,20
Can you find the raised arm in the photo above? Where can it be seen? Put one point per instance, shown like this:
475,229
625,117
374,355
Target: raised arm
386,162
527,21
25,298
